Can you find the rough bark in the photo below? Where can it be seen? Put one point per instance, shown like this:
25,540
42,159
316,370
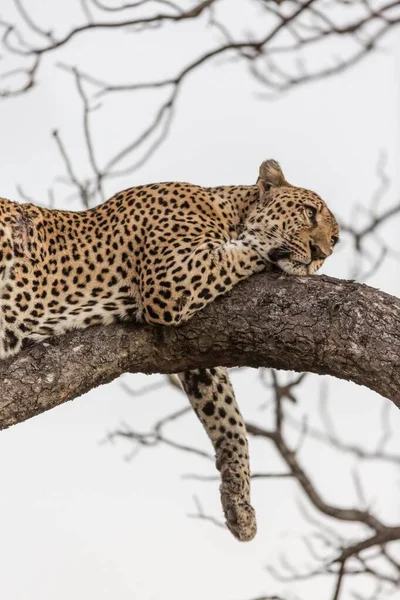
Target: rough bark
316,324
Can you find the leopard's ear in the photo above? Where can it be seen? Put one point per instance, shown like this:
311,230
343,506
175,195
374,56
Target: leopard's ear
270,176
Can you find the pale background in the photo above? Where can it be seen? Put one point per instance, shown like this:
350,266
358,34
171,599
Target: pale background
78,521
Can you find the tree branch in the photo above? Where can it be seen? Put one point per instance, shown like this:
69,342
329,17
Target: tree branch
316,324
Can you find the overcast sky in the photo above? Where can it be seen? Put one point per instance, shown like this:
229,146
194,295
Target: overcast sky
79,521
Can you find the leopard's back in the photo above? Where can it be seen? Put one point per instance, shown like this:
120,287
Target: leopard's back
76,269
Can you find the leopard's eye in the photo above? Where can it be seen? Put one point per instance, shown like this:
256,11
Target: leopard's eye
334,240
310,212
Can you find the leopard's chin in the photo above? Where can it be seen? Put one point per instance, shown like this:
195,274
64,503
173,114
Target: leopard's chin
280,259
292,267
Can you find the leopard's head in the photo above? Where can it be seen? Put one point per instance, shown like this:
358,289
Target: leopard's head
291,227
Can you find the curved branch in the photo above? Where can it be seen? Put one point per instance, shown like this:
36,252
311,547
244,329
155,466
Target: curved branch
305,26
289,456
316,324
155,19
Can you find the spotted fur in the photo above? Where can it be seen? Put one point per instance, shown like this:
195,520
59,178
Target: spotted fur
159,253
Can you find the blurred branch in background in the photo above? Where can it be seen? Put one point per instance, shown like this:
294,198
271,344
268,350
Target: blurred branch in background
364,231
364,552
272,53
285,44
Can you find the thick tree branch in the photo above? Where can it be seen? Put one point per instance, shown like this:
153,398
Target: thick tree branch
317,324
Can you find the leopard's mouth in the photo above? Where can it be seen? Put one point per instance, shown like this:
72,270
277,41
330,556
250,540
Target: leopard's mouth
276,255
280,259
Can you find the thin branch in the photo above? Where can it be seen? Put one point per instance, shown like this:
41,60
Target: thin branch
82,188
388,534
31,23
339,582
159,18
88,136
351,514
132,5
200,514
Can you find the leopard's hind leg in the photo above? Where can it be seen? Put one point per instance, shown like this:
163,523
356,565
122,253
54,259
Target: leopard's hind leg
211,394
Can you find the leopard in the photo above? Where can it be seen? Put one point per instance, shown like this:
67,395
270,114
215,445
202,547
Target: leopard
157,254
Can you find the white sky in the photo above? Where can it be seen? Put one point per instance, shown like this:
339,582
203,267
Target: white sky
77,520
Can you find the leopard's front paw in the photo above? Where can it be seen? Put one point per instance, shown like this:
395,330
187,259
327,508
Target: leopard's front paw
240,515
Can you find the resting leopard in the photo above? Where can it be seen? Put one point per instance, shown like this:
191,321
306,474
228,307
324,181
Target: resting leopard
158,254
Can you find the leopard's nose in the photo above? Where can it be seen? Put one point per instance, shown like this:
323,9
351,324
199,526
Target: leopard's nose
316,252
